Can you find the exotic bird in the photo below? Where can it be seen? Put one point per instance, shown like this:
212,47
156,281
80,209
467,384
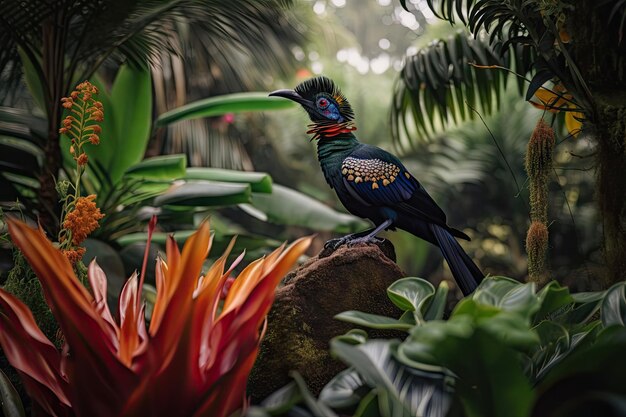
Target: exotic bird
372,183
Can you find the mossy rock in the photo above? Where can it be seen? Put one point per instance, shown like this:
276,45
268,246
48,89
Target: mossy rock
301,322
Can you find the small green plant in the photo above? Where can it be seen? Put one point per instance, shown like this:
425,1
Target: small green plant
505,350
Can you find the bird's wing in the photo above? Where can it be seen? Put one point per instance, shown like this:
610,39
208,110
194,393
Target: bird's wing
376,177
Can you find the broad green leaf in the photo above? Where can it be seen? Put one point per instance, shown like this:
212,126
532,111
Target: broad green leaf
588,297
260,182
521,300
205,194
368,407
402,391
419,355
585,307
282,400
437,306
554,300
11,402
411,294
508,294
353,337
22,124
491,381
373,321
508,326
340,392
290,207
593,375
146,190
318,408
419,348
131,100
614,305
475,310
164,167
512,329
551,332
555,344
217,106
33,80
492,289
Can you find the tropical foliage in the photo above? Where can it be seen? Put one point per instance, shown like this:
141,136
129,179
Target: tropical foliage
196,348
550,43
170,133
505,350
54,45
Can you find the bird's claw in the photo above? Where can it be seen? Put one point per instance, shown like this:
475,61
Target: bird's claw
335,243
365,239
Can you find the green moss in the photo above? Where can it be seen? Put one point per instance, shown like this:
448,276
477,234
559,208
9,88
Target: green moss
23,283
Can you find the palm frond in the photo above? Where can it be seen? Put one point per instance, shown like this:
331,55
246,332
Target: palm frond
217,56
445,82
504,19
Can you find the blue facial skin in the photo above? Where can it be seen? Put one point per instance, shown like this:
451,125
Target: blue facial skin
328,109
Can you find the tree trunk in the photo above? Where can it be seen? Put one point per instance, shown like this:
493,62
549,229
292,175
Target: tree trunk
53,55
600,56
611,187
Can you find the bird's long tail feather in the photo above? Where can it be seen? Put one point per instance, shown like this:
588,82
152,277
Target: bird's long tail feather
465,271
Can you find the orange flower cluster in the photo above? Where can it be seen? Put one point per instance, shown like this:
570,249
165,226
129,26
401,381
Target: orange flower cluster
81,215
81,125
83,219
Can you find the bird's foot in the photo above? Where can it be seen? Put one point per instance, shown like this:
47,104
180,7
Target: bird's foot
365,239
334,244
350,240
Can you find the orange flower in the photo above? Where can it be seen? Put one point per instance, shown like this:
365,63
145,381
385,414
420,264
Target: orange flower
83,219
97,115
74,255
94,139
68,102
82,159
193,360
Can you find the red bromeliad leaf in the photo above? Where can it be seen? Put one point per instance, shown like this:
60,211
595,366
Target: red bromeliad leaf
98,283
85,331
191,362
39,365
129,337
161,297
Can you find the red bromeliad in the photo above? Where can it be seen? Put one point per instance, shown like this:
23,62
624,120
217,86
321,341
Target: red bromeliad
192,360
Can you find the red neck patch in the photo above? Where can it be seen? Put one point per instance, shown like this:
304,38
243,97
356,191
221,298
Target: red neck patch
330,130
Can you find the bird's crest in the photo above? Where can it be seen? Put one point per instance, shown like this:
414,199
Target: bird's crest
313,87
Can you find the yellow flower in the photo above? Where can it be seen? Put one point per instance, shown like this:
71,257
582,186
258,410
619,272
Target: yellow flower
559,100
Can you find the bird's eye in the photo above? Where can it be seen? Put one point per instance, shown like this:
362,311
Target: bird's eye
322,103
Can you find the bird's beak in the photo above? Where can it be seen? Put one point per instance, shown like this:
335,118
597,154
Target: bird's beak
293,96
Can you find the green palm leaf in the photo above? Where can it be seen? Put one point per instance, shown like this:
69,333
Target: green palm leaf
446,81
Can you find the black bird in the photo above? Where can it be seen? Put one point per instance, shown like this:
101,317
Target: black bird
372,183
